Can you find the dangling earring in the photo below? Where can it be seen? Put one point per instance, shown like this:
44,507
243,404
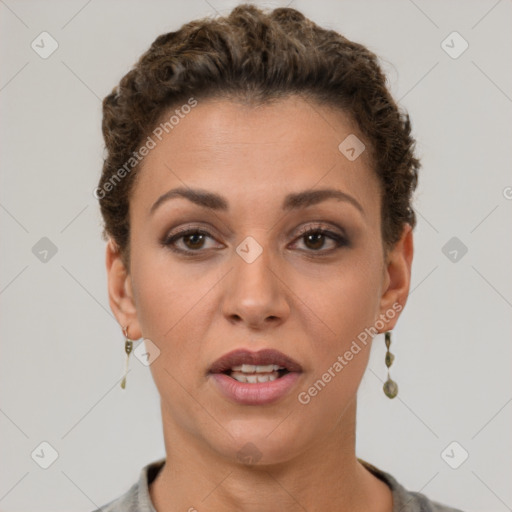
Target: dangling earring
128,346
390,386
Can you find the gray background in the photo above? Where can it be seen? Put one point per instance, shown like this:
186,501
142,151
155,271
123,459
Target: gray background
61,349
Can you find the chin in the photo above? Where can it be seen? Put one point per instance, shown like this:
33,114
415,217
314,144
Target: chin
263,441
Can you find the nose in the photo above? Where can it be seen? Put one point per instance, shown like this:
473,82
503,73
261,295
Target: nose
254,294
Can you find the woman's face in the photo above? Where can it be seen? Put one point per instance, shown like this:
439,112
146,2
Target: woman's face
251,279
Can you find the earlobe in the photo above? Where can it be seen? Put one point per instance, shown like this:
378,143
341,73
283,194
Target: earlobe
398,277
120,291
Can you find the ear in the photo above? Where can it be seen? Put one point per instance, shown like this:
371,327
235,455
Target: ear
397,278
120,292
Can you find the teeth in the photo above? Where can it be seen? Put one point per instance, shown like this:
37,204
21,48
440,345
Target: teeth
253,373
254,378
251,368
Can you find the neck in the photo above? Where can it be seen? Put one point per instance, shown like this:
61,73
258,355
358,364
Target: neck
195,477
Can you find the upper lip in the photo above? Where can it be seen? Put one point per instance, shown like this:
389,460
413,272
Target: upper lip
262,357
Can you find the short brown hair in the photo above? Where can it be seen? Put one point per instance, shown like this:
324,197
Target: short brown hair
257,56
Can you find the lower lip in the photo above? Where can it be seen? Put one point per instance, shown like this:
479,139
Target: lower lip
260,393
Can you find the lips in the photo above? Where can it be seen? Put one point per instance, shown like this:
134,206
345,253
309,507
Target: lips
255,378
243,360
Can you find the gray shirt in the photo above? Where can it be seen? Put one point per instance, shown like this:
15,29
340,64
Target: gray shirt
137,498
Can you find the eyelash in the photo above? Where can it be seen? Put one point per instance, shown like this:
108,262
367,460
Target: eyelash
340,240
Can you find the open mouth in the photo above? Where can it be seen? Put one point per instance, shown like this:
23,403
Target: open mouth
252,374
255,378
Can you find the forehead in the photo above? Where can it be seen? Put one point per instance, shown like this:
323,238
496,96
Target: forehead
254,153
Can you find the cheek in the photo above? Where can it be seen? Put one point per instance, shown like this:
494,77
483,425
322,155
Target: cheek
174,307
346,301
340,345
162,294
345,306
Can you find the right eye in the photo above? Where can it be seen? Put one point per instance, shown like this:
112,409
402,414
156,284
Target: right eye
193,239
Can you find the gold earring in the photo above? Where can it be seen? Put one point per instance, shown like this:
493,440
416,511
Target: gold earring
128,346
390,386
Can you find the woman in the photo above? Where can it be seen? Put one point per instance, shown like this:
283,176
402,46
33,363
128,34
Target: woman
256,195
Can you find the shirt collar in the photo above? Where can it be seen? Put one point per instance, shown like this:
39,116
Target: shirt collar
403,501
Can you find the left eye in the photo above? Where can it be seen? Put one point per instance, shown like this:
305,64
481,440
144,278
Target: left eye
315,238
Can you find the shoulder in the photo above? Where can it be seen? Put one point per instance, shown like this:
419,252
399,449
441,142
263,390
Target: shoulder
420,503
404,500
137,497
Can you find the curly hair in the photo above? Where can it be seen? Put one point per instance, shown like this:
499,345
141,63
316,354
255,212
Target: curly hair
256,56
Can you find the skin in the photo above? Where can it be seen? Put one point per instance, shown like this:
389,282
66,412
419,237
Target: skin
197,307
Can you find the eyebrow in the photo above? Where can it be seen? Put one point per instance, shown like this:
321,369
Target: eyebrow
292,201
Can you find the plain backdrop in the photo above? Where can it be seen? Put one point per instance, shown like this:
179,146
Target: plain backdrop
61,349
